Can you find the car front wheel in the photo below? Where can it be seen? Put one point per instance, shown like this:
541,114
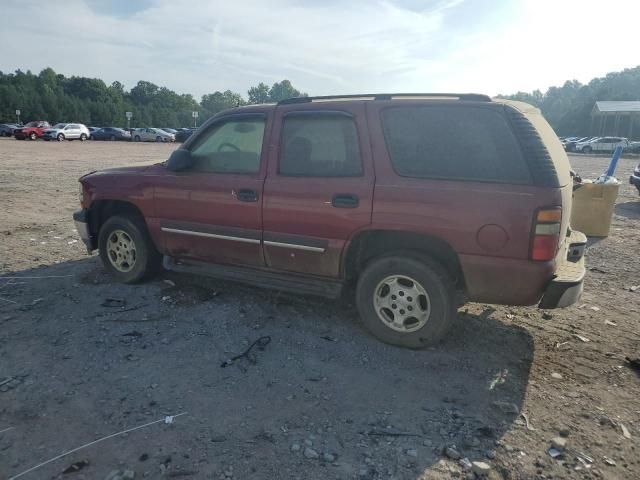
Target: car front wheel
587,150
83,137
406,300
126,249
33,136
60,137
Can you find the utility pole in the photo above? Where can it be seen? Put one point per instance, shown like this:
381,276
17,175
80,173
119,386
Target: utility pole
195,119
129,115
18,115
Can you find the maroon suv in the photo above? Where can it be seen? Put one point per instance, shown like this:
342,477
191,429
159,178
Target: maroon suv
410,198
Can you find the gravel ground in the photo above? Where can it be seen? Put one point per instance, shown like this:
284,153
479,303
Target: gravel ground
82,358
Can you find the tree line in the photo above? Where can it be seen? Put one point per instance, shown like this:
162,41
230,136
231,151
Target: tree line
52,96
568,108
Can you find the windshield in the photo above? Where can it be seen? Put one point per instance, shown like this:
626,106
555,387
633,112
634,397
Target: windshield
58,126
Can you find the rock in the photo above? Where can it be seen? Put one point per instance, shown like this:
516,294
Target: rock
465,463
559,443
295,447
452,453
480,468
128,475
310,453
564,432
490,454
556,375
412,453
328,457
547,316
609,461
308,443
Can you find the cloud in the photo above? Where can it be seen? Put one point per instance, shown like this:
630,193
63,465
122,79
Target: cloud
333,46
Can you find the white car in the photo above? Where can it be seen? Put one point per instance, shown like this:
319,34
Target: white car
152,135
601,144
66,131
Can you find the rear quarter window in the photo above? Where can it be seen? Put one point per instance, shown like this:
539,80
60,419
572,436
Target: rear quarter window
454,143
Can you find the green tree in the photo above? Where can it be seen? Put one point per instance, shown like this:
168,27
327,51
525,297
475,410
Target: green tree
283,90
259,94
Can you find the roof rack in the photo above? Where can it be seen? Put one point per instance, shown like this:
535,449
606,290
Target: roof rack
477,97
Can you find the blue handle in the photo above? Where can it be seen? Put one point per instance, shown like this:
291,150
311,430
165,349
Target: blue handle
614,161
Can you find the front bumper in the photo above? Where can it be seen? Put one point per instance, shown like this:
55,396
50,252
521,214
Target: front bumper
566,287
635,180
81,219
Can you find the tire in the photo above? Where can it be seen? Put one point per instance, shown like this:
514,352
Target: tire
136,138
587,149
126,249
158,138
417,274
83,137
112,138
60,137
33,136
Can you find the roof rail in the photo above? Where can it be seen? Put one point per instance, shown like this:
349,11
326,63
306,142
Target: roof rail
477,97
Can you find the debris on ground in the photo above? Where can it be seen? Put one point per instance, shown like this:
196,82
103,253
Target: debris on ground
261,343
113,302
76,466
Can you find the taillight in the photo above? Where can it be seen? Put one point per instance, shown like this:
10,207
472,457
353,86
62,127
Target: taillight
546,234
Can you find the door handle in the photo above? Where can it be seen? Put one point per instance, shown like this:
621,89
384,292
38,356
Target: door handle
345,200
247,195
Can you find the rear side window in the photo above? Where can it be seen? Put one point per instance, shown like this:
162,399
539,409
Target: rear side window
319,145
457,143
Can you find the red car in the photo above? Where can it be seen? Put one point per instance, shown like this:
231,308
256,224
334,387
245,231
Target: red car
411,199
32,130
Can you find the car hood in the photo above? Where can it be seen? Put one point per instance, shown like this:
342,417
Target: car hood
115,172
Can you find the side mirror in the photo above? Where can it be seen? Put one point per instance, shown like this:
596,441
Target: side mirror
180,160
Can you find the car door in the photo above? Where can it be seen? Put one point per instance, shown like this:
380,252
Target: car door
213,211
319,187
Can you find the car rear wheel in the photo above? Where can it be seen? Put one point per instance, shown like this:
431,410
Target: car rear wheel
112,138
406,300
83,137
60,137
158,138
33,136
587,149
136,138
126,249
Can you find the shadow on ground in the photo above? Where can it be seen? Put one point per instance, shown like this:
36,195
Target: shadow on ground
628,210
89,357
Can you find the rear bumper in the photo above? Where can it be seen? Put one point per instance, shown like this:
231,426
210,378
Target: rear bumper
566,287
81,219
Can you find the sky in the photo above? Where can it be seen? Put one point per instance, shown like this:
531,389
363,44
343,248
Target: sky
324,46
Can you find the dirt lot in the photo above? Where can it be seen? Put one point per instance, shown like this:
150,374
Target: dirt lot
323,399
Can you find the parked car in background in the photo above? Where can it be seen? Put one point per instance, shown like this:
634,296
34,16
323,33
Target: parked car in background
111,133
634,147
67,131
634,179
570,145
410,199
184,133
32,130
92,130
6,129
152,135
601,144
172,131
